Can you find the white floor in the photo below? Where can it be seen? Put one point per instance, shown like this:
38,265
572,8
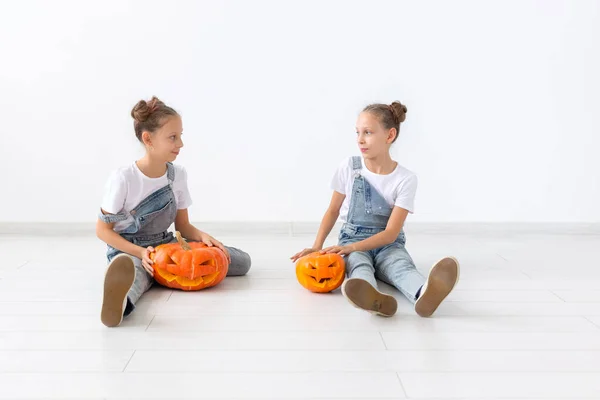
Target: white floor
523,323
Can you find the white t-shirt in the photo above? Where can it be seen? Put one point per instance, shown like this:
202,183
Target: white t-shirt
398,188
128,186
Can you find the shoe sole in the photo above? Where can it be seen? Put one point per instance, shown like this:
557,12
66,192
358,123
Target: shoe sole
442,279
361,294
117,282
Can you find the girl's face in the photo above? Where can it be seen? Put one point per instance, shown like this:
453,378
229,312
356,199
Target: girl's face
372,138
166,142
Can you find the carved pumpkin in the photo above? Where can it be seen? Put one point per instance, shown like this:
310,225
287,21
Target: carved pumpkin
321,273
188,266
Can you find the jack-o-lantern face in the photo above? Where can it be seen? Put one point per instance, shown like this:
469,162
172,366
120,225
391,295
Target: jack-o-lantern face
188,266
320,273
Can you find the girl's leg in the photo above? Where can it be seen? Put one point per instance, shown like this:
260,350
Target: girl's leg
394,266
240,262
359,265
125,282
360,289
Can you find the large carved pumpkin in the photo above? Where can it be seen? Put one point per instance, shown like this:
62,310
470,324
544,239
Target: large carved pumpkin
188,266
321,273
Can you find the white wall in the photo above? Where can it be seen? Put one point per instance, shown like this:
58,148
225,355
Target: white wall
503,100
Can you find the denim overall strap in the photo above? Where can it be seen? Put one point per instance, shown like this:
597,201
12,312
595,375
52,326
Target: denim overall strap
170,173
357,189
356,164
111,218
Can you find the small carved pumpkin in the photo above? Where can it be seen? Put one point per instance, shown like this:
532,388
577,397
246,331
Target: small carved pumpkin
320,273
188,266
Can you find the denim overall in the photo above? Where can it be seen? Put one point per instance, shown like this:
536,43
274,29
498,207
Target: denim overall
368,215
151,221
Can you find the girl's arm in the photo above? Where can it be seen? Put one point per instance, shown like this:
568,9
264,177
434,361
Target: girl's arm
105,232
327,223
190,232
389,235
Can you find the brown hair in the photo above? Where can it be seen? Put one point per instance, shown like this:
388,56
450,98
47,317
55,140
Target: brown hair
390,116
150,116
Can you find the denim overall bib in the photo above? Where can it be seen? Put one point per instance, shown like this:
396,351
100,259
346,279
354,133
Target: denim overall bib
368,215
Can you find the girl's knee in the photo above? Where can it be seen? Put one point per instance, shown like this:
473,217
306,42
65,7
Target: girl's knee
357,258
240,263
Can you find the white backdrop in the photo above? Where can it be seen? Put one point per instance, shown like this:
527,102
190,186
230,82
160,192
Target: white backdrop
503,99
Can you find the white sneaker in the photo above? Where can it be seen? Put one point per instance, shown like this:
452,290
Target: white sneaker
440,282
120,275
361,294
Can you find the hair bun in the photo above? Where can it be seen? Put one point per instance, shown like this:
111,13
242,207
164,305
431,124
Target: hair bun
399,110
143,109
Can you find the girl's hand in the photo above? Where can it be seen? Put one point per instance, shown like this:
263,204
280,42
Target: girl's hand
211,241
146,261
304,252
341,250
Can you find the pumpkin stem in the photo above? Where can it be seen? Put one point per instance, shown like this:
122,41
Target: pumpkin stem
184,245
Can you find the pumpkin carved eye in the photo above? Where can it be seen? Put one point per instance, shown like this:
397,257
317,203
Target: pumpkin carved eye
320,273
188,266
